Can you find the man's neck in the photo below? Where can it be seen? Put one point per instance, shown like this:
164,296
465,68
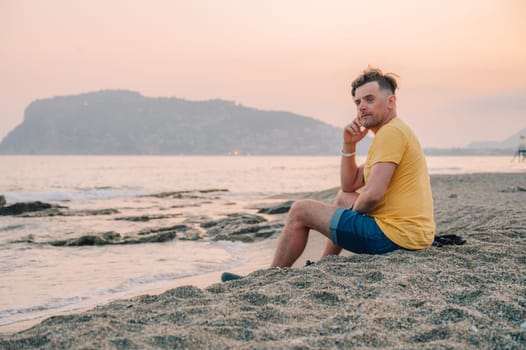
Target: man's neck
386,121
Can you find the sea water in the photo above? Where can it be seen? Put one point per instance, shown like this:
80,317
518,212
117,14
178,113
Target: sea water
38,280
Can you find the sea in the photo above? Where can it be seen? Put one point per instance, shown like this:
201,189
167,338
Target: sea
38,280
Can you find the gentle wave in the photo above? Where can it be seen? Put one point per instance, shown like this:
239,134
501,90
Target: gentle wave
63,196
57,305
127,288
10,227
11,316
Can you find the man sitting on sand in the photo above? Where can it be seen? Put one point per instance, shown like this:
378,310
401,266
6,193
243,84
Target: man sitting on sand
385,204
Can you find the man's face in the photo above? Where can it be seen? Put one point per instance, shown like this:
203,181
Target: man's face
372,105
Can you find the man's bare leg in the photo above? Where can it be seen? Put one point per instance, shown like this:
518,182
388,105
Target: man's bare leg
345,200
304,215
330,249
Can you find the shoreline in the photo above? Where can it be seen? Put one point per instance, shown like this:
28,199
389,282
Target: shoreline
257,256
469,296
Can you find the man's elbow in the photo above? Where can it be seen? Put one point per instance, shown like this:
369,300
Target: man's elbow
375,198
348,189
351,187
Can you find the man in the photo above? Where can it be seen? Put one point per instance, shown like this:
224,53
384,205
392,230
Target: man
385,204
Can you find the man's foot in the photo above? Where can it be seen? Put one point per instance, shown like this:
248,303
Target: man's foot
227,276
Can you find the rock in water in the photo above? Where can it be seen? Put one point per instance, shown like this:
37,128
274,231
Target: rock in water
19,208
241,227
277,209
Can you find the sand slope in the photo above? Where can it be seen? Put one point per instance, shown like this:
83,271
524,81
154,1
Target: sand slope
454,297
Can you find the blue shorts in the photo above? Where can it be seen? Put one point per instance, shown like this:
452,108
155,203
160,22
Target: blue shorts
359,233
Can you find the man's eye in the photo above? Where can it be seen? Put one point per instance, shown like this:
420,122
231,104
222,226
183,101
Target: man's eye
370,100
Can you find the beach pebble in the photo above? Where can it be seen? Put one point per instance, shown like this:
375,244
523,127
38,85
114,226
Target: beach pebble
523,325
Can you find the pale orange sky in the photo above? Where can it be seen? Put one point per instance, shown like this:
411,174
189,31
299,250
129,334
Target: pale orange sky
462,64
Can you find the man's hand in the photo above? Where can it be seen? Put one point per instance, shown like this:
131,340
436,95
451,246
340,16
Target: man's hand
354,133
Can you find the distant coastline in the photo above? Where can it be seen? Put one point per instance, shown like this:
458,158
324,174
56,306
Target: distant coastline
469,152
121,122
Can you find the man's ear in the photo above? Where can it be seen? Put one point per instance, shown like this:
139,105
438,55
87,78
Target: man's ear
392,101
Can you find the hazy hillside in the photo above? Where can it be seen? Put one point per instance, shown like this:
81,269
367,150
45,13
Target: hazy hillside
124,122
511,143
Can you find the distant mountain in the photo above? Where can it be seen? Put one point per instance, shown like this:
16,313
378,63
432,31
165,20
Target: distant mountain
508,146
125,122
511,143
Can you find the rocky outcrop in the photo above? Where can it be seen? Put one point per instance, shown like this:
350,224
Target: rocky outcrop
42,209
241,227
157,235
25,207
145,218
277,209
186,194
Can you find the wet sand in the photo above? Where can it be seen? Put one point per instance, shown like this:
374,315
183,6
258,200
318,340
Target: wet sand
453,297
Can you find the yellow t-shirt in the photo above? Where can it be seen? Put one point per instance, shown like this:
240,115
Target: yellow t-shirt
405,214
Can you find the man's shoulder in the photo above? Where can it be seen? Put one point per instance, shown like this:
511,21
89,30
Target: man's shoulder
398,123
397,126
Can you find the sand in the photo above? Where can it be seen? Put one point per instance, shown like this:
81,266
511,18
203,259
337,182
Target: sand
453,297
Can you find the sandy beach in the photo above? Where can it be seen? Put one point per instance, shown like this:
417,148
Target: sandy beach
471,296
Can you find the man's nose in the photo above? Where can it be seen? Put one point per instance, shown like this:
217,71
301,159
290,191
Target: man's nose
363,107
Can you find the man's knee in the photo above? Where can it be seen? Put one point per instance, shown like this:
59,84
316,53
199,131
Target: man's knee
311,214
301,209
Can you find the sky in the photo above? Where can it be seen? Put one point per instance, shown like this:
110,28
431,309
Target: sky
461,64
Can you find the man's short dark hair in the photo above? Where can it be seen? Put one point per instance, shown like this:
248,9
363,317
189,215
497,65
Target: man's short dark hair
385,81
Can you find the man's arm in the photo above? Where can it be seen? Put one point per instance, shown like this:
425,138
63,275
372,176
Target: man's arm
351,175
374,190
